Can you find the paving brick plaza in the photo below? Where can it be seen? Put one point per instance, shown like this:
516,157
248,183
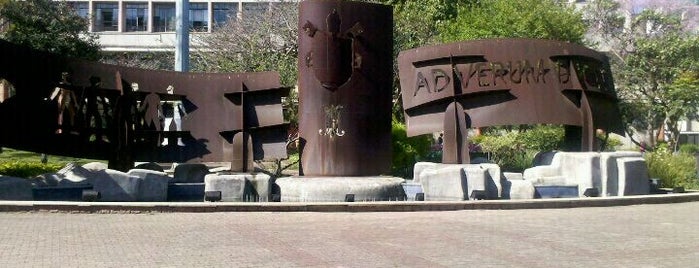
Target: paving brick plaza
665,235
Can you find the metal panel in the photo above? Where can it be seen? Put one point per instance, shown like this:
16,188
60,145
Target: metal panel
508,82
210,115
345,82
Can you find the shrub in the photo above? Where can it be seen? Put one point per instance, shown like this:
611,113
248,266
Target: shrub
543,137
689,148
22,169
407,150
673,170
514,151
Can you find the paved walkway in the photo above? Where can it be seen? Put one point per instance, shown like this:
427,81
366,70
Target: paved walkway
662,235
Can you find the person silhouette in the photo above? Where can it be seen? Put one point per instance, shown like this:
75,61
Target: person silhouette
173,111
92,108
66,101
151,110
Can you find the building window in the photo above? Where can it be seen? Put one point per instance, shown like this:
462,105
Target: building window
198,17
81,8
106,16
224,12
136,17
164,17
252,10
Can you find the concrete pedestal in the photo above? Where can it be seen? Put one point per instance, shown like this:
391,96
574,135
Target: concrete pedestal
240,187
456,182
334,189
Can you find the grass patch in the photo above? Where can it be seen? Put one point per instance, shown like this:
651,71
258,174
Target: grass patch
23,164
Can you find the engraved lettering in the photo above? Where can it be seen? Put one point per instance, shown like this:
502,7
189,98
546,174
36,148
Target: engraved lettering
440,75
498,72
515,72
482,73
421,82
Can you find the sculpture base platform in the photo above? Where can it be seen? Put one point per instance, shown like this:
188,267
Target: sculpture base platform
336,189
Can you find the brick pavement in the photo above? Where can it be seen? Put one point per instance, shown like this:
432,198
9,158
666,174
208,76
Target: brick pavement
663,235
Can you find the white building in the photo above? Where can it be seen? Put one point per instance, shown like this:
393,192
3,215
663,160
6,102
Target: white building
149,25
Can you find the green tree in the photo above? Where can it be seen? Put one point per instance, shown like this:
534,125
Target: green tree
47,25
257,42
545,19
416,24
654,60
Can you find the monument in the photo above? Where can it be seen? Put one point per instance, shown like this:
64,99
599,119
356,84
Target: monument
345,87
473,84
453,87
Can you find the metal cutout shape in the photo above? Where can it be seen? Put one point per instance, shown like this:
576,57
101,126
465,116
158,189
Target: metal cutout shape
507,82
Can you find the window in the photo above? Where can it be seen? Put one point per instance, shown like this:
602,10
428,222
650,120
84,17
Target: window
81,8
251,10
198,17
106,16
164,17
223,12
136,17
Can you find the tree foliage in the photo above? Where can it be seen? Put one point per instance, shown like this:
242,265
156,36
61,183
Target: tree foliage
144,60
254,43
407,150
47,25
545,19
654,60
514,150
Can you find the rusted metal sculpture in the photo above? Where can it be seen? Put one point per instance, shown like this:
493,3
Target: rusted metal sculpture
345,79
453,87
109,120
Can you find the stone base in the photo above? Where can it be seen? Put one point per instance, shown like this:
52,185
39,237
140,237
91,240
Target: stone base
239,187
185,192
412,189
456,182
334,189
12,188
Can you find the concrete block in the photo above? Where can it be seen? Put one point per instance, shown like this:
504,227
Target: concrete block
411,189
493,180
539,174
512,176
543,158
419,167
150,166
73,173
95,166
153,186
457,182
334,189
580,169
232,187
60,193
445,183
633,176
116,186
185,192
261,186
556,191
47,180
12,188
190,173
518,189
477,178
609,177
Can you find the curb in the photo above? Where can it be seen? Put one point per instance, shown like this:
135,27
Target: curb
386,206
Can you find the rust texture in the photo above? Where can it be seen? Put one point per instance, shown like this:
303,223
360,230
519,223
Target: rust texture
70,107
453,87
345,80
